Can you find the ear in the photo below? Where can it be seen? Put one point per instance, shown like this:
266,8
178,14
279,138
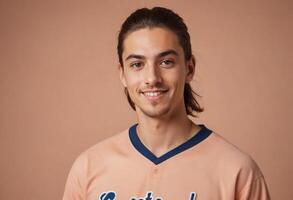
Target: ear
121,75
190,66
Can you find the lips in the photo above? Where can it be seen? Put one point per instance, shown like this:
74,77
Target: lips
153,94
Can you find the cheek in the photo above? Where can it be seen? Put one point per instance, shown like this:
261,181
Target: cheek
178,84
177,78
131,81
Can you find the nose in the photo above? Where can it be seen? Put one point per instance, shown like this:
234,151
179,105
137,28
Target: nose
152,75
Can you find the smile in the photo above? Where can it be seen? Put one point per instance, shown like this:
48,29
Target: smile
154,95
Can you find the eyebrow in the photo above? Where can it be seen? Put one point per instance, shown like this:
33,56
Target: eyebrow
162,54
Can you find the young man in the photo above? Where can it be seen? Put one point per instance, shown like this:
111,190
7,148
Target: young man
165,155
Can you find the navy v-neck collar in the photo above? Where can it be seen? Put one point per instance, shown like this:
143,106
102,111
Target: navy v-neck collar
141,148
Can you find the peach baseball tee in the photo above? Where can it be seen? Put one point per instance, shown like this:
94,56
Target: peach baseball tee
206,167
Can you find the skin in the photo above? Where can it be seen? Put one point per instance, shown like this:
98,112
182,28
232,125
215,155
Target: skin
154,64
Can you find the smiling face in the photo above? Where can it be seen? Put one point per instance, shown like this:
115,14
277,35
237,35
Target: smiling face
154,71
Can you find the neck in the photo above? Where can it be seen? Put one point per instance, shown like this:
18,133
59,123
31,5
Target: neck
162,135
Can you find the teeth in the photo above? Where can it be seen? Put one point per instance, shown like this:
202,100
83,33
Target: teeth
152,94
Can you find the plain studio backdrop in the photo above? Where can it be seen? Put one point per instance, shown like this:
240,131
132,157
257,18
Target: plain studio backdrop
60,89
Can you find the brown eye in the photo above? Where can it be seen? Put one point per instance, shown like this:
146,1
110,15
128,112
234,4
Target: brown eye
167,63
136,65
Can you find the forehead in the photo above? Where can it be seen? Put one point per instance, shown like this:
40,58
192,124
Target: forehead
150,42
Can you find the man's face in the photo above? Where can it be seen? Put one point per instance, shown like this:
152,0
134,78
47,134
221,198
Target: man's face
155,71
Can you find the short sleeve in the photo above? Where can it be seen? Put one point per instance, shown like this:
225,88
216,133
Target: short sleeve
257,190
76,181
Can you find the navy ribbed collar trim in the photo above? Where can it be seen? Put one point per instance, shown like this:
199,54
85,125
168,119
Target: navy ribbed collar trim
141,148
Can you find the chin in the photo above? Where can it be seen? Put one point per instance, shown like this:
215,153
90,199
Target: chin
155,112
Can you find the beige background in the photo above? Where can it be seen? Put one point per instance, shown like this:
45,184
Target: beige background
60,91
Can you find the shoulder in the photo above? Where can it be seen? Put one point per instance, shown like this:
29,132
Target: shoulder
108,144
231,158
235,167
234,163
103,151
91,163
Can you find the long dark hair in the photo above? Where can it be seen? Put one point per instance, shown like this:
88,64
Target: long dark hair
165,18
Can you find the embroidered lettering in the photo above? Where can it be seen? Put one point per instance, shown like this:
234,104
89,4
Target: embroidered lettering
111,195
108,195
